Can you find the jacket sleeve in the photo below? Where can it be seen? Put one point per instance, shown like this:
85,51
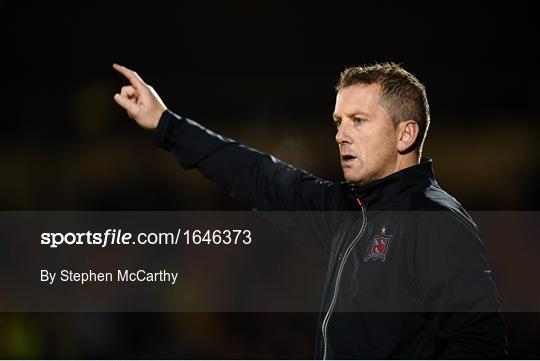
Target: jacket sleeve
456,288
254,179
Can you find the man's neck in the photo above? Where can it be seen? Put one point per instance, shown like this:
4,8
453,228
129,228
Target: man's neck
406,161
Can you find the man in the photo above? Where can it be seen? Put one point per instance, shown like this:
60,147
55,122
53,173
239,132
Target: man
406,280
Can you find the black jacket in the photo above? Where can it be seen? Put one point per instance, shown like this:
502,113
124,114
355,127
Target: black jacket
406,273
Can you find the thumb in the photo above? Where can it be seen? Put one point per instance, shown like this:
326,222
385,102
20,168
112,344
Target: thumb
127,104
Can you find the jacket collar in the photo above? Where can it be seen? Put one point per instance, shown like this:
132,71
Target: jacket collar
396,190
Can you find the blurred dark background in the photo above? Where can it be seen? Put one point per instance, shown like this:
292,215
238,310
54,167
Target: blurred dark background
261,73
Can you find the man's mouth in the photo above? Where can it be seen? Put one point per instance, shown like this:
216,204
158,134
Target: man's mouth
347,158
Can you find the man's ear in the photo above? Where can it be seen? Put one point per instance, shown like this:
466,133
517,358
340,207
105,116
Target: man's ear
407,132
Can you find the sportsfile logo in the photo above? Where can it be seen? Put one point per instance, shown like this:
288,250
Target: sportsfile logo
109,237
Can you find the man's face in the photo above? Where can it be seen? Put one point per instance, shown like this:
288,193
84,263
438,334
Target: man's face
366,135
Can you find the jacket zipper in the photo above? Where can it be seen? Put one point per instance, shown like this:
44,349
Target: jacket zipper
338,279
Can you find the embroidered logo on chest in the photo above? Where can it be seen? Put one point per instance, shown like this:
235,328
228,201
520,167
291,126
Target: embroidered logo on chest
378,248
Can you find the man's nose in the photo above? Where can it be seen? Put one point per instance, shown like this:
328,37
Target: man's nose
343,133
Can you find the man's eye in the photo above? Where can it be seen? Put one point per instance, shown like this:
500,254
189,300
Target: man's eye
358,120
337,123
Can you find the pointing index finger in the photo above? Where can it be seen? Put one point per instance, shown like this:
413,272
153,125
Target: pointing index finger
133,78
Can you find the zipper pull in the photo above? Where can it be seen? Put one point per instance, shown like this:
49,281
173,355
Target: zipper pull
355,195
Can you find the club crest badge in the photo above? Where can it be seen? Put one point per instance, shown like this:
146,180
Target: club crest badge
378,248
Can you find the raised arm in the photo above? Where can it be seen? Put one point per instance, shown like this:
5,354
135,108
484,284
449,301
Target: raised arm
255,179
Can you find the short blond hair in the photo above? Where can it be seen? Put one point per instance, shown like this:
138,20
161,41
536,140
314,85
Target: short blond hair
402,94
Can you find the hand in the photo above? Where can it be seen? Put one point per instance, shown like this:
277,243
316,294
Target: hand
140,100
